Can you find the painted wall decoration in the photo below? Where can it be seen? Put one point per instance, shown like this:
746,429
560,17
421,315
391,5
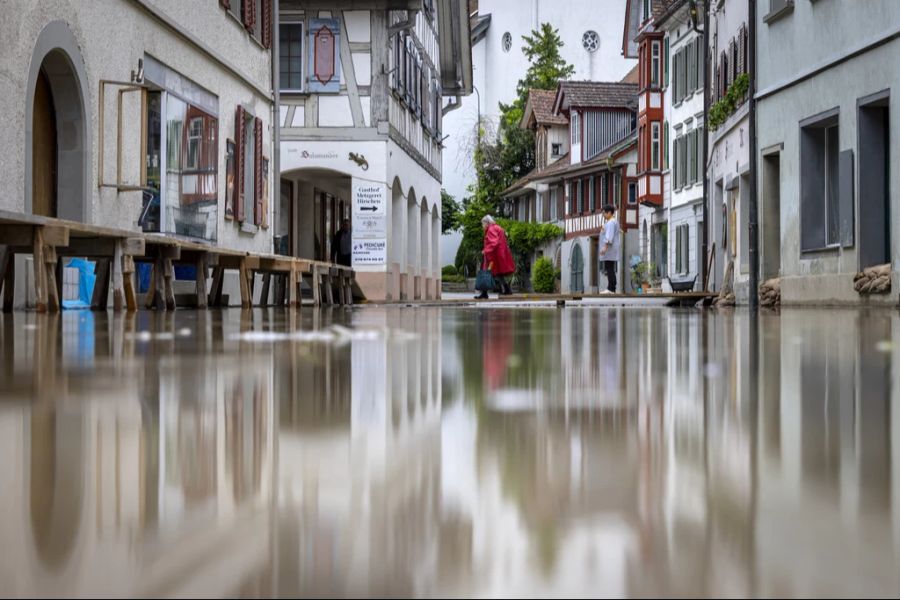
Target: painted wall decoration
324,55
229,179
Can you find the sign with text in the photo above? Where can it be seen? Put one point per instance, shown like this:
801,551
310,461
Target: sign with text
369,210
369,252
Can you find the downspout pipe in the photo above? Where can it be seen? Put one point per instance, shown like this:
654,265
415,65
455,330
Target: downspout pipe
276,119
753,200
704,246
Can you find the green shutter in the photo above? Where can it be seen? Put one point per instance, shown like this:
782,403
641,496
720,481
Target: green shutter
666,62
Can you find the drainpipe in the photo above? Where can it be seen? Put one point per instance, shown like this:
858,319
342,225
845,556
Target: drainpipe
704,248
276,133
754,202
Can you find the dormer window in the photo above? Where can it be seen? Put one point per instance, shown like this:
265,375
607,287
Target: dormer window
575,129
555,150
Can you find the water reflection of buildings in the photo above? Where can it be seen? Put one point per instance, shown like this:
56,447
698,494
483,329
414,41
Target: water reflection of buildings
360,459
145,476
696,456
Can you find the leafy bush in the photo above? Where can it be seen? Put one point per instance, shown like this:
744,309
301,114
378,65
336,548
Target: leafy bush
543,276
733,98
456,278
449,270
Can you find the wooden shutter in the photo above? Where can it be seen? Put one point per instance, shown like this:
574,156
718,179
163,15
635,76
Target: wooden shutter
324,58
267,23
257,171
249,14
239,156
741,60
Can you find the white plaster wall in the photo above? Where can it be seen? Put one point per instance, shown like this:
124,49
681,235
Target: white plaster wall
825,277
334,111
112,52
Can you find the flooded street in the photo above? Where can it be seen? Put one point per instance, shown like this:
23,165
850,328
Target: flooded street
487,452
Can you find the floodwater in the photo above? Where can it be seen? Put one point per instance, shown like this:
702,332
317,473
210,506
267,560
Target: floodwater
489,452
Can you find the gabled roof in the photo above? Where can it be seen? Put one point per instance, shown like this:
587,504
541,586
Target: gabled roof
635,24
595,94
539,110
670,8
537,175
633,76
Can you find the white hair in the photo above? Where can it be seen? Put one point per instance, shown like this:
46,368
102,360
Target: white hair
487,220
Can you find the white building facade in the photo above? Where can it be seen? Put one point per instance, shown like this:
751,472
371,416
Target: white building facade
682,133
591,45
728,161
361,134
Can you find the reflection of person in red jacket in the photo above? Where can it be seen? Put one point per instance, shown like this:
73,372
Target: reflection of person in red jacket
497,257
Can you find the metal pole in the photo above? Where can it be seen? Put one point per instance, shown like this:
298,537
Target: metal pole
754,203
478,131
704,276
276,135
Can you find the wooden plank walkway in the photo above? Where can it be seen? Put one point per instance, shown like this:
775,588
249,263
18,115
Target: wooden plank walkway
667,298
116,251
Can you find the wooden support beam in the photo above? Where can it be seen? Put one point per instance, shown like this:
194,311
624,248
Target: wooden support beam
316,285
6,257
168,251
293,285
9,283
264,292
101,285
151,289
104,247
118,284
50,262
245,274
329,289
202,298
169,279
215,292
16,235
56,235
40,273
128,283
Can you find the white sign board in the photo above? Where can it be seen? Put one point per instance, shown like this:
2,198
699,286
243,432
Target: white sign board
369,210
369,252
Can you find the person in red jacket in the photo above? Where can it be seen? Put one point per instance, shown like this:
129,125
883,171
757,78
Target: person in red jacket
497,257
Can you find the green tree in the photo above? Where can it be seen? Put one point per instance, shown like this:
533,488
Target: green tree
511,154
450,212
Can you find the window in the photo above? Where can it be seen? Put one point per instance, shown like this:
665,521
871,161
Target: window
290,49
195,135
646,10
604,190
701,169
592,201
692,156
569,203
554,193
665,145
654,64
666,62
580,197
590,40
682,249
777,9
632,193
576,129
819,190
556,149
254,15
617,189
682,76
654,146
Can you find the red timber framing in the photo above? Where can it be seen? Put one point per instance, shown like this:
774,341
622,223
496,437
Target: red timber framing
651,142
606,183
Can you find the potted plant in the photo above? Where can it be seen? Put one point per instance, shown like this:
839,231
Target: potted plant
641,276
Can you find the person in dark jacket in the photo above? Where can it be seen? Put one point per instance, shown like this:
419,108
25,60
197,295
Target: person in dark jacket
342,245
497,257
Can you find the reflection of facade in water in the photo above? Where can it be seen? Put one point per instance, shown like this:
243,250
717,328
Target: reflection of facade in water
147,483
359,463
736,473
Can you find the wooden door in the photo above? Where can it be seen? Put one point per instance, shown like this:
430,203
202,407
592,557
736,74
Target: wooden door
43,150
